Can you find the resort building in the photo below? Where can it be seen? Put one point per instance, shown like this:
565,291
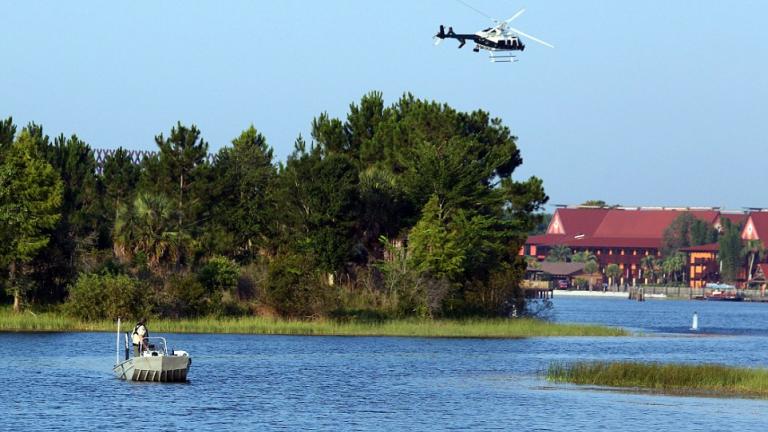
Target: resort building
625,235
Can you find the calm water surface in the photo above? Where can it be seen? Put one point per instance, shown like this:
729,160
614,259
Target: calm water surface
238,382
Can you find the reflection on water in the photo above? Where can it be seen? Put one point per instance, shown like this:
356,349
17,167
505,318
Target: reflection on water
241,382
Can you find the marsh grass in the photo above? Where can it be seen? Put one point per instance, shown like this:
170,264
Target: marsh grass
476,328
705,379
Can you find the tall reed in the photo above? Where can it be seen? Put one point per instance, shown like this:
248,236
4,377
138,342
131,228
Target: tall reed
674,378
494,328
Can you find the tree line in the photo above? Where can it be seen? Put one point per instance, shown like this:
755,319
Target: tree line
401,210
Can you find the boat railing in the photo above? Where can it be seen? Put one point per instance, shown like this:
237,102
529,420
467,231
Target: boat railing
156,346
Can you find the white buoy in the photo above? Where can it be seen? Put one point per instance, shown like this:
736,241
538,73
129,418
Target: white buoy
695,322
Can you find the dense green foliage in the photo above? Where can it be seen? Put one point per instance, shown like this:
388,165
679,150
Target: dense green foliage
560,253
710,379
686,230
97,297
30,201
401,210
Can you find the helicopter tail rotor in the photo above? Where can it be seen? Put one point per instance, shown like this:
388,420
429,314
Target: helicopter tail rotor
440,35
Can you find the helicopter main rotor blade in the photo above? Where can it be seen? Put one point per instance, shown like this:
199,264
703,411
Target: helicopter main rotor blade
516,31
509,20
477,10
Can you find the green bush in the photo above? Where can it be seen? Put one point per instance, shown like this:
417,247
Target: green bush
294,289
219,274
185,296
253,278
95,297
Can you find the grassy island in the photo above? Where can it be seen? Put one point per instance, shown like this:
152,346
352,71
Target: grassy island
475,328
702,379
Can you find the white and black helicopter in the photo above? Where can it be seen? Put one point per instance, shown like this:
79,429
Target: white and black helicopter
501,40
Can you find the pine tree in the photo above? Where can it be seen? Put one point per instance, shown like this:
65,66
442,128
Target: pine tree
30,199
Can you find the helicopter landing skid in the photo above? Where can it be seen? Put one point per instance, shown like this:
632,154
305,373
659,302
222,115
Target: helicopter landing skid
502,58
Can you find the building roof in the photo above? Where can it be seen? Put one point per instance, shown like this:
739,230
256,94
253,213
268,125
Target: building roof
709,247
576,221
645,223
641,228
756,226
735,218
559,268
761,272
594,242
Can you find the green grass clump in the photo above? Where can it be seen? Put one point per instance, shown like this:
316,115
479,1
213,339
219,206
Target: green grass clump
500,328
708,379
474,328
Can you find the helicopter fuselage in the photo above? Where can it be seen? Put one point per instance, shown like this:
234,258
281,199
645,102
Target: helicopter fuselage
489,39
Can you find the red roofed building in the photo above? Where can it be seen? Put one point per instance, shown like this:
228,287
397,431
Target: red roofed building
703,266
756,226
623,236
737,219
756,230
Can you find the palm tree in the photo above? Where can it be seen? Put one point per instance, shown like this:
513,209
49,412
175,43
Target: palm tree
583,257
149,227
590,262
559,253
591,267
613,271
650,267
753,249
674,265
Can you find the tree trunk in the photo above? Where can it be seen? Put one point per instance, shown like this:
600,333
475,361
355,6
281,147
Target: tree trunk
181,199
12,283
16,301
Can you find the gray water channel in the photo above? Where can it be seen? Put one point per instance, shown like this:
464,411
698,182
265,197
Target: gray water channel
55,381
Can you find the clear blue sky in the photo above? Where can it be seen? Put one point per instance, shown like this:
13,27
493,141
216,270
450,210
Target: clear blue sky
649,103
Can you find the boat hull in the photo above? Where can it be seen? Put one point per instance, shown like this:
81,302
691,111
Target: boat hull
154,369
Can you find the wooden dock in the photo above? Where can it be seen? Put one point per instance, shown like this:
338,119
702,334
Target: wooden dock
537,289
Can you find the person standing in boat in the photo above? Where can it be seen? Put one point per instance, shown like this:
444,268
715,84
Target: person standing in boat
140,336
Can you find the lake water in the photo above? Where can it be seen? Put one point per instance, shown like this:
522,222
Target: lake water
240,382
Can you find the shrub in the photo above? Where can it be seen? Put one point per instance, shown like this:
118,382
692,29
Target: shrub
293,288
219,274
498,295
231,307
252,280
185,296
95,297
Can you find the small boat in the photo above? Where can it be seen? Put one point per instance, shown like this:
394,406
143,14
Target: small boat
156,364
725,295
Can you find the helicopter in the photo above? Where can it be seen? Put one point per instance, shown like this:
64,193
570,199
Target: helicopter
500,40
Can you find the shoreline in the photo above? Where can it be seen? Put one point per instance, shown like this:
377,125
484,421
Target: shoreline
469,328
602,294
